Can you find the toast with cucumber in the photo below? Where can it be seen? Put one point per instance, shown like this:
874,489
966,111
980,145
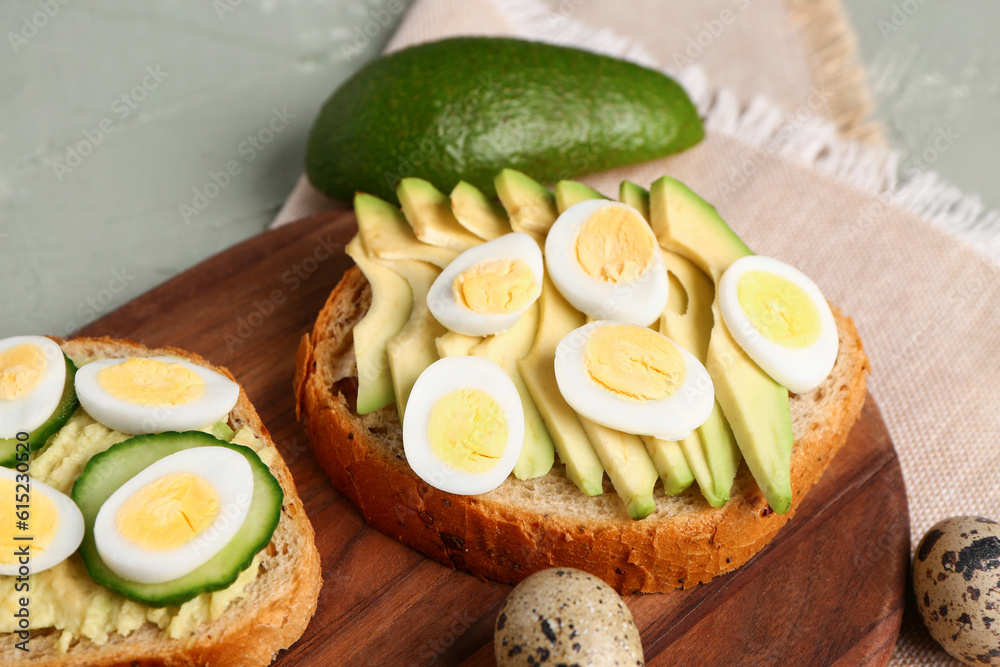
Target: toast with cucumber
194,546
648,500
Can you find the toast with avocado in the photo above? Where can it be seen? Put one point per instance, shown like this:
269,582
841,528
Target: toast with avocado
244,604
645,510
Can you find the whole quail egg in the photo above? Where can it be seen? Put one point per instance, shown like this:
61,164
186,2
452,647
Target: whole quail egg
956,578
566,616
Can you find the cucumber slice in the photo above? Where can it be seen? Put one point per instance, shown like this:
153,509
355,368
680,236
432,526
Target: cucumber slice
37,438
107,471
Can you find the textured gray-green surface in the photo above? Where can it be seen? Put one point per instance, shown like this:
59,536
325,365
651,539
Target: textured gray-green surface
934,72
139,138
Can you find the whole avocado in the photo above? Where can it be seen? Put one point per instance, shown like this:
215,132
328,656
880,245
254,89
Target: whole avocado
463,108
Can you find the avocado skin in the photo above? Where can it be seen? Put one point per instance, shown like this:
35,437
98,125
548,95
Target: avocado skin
463,108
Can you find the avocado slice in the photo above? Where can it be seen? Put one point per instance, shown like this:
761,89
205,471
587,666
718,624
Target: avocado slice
506,349
428,211
530,206
755,405
628,464
681,462
573,192
477,213
463,108
454,344
556,319
412,349
635,196
627,458
670,463
711,450
390,309
387,235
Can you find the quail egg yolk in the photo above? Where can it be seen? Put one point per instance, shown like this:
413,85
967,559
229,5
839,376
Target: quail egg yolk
615,246
43,521
169,512
151,382
779,309
633,362
21,369
467,430
495,286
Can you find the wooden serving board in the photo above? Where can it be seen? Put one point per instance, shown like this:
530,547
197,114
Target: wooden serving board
828,590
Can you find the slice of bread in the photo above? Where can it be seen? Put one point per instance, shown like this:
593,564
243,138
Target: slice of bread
272,614
525,526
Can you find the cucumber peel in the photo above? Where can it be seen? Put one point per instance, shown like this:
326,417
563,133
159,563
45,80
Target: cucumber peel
109,470
68,404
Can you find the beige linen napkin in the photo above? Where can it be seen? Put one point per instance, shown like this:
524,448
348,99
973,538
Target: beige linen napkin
927,305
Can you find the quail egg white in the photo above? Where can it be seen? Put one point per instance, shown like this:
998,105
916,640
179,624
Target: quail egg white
488,287
633,379
32,376
780,319
464,425
606,261
174,515
154,394
32,509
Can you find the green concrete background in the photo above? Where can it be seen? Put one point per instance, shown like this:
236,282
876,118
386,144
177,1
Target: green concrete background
138,138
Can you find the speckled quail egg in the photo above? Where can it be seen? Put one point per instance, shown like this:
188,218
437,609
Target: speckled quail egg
956,578
566,616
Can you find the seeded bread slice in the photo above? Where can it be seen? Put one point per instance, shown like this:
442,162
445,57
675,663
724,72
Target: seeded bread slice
525,526
271,616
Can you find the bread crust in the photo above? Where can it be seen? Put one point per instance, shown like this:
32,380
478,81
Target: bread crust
275,609
493,537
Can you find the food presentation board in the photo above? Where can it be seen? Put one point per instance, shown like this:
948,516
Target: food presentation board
828,590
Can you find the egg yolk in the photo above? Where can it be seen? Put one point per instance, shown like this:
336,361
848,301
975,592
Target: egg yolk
42,522
779,309
615,246
169,512
151,382
21,369
495,286
467,430
633,362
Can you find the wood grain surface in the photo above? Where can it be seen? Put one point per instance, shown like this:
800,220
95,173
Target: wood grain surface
829,590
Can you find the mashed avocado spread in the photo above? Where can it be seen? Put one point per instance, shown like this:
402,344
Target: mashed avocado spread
65,597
